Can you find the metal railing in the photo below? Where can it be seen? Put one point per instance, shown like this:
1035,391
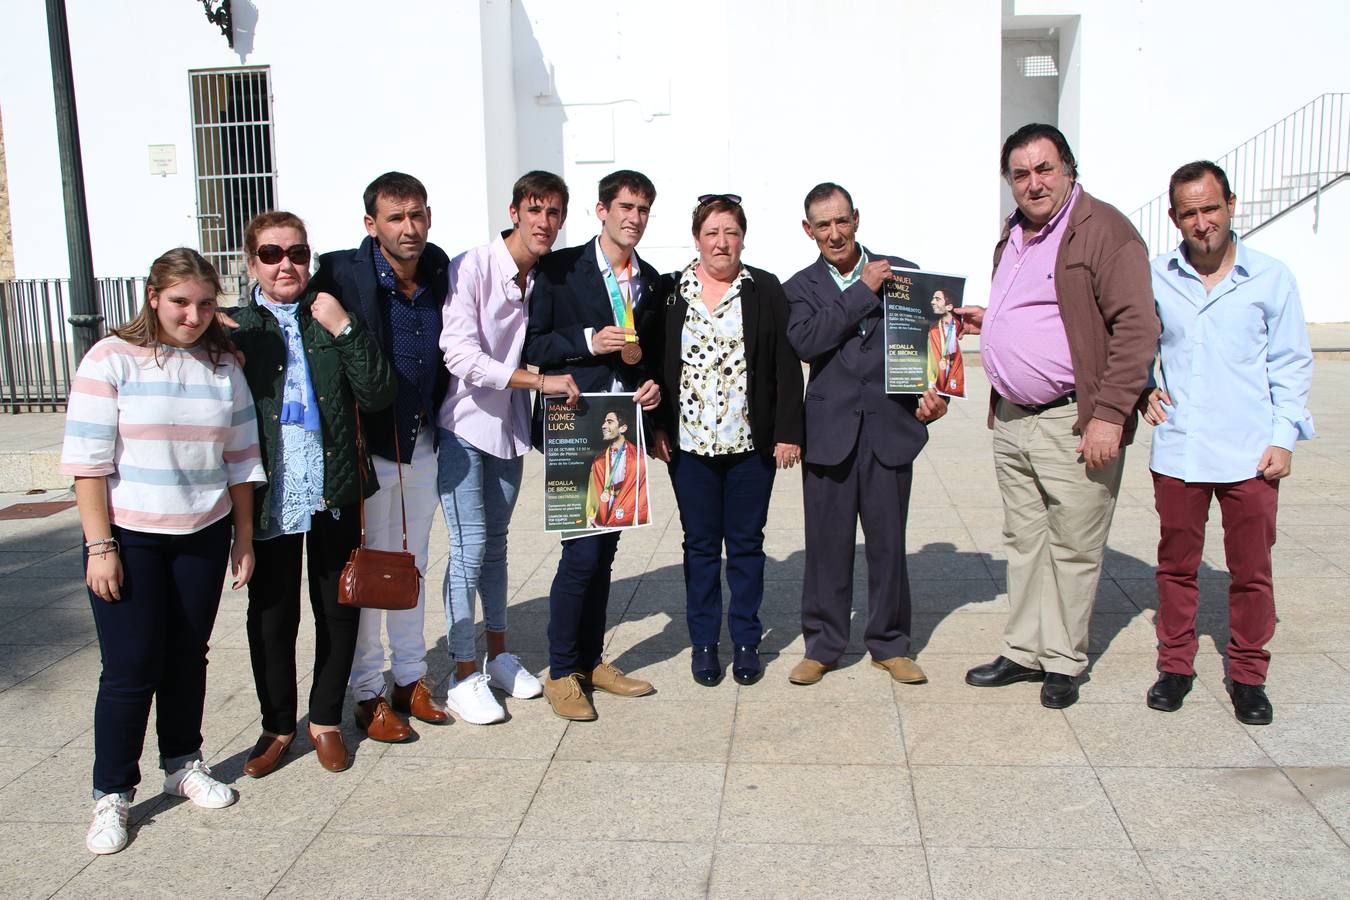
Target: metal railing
1280,168
36,351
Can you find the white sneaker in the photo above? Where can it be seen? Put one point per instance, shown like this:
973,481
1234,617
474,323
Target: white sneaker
508,674
194,782
108,831
471,700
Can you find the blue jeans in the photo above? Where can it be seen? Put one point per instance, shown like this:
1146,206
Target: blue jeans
723,500
154,642
478,493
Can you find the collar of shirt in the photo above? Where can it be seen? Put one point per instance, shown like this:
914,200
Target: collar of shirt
1015,221
1177,262
845,281
691,288
506,267
634,266
388,281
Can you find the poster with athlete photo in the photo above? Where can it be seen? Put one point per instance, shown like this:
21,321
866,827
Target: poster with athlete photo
922,349
595,465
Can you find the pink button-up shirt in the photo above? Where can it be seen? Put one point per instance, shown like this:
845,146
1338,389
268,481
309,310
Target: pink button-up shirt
482,336
1023,346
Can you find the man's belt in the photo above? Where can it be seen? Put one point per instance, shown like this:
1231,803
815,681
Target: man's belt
1056,403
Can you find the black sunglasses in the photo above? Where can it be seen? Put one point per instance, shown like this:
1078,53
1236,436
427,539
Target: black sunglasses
733,199
271,254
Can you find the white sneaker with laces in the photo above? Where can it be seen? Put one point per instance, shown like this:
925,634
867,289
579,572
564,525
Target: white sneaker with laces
471,700
507,673
108,831
194,782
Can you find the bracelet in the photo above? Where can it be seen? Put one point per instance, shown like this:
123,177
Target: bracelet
541,382
103,545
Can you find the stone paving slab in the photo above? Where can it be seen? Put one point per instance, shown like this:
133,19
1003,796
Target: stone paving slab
855,787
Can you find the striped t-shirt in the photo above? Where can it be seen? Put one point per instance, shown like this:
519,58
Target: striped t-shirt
171,436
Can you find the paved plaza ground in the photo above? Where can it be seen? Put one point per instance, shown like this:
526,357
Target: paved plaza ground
852,787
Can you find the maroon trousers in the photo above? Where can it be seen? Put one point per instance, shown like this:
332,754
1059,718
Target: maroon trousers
1248,509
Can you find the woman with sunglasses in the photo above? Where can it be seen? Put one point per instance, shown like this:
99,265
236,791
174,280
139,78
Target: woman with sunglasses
731,412
309,366
163,445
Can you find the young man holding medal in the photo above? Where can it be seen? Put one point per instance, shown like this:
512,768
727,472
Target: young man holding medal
584,318
618,489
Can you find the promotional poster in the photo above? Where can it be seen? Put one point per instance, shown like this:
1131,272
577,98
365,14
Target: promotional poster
922,349
595,465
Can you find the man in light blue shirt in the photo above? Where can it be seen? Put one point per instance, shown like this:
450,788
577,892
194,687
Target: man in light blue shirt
1235,372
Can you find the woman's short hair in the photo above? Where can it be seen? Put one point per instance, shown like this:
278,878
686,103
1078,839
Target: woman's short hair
271,219
720,204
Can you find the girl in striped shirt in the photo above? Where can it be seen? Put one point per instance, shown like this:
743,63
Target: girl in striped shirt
162,441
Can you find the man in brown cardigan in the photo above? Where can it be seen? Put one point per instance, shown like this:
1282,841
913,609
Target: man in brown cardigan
1068,339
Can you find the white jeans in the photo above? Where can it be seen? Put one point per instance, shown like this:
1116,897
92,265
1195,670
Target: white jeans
384,531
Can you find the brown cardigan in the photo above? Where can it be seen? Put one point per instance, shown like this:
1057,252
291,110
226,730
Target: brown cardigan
1105,293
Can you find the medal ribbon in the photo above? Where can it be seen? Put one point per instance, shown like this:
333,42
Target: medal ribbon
622,306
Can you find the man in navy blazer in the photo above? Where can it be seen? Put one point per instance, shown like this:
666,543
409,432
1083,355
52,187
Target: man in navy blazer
574,329
397,283
860,445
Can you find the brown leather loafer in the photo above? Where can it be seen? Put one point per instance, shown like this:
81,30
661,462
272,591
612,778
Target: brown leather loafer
809,671
331,751
415,700
902,669
606,677
567,699
266,755
380,722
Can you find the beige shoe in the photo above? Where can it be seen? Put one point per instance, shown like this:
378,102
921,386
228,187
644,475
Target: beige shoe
567,698
607,678
902,669
809,671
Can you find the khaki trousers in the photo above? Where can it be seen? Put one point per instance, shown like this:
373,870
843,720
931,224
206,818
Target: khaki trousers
1056,515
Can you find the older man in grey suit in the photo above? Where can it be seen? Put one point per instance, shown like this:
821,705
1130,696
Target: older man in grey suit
860,445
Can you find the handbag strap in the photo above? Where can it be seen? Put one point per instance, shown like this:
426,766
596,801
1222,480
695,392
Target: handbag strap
362,458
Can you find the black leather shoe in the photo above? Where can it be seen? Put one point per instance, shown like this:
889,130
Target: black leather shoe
1251,705
745,667
707,668
1059,691
1169,690
1000,672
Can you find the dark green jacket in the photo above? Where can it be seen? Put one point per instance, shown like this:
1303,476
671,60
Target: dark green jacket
344,370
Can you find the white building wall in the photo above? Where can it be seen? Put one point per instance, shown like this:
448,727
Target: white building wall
1317,259
352,99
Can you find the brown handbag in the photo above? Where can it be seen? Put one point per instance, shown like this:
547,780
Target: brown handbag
379,579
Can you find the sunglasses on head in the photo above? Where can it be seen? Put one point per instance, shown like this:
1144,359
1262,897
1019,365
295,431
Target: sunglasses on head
271,254
733,199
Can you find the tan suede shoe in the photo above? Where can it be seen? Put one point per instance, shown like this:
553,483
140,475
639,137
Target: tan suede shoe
567,698
902,669
809,671
607,678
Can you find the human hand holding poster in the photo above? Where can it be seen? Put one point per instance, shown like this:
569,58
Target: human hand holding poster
595,465
922,350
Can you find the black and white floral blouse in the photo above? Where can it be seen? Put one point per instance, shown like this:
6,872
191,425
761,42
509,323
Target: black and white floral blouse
714,387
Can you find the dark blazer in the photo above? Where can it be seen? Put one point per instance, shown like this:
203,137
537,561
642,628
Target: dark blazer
848,377
773,372
349,275
569,297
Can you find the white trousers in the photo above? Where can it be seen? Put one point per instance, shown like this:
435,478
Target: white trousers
384,531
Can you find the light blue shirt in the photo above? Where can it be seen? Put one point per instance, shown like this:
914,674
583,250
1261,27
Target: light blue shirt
1236,363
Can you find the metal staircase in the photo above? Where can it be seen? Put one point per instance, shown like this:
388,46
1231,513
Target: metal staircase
1285,166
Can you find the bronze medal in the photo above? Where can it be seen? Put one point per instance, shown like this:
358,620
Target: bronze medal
631,353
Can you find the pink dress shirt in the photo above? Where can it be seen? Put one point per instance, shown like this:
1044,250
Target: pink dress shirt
1023,345
482,336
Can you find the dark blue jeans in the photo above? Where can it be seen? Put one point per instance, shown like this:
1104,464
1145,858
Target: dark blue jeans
577,604
153,642
723,500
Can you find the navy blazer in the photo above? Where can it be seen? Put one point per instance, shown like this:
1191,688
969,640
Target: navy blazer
570,296
773,372
349,275
848,371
